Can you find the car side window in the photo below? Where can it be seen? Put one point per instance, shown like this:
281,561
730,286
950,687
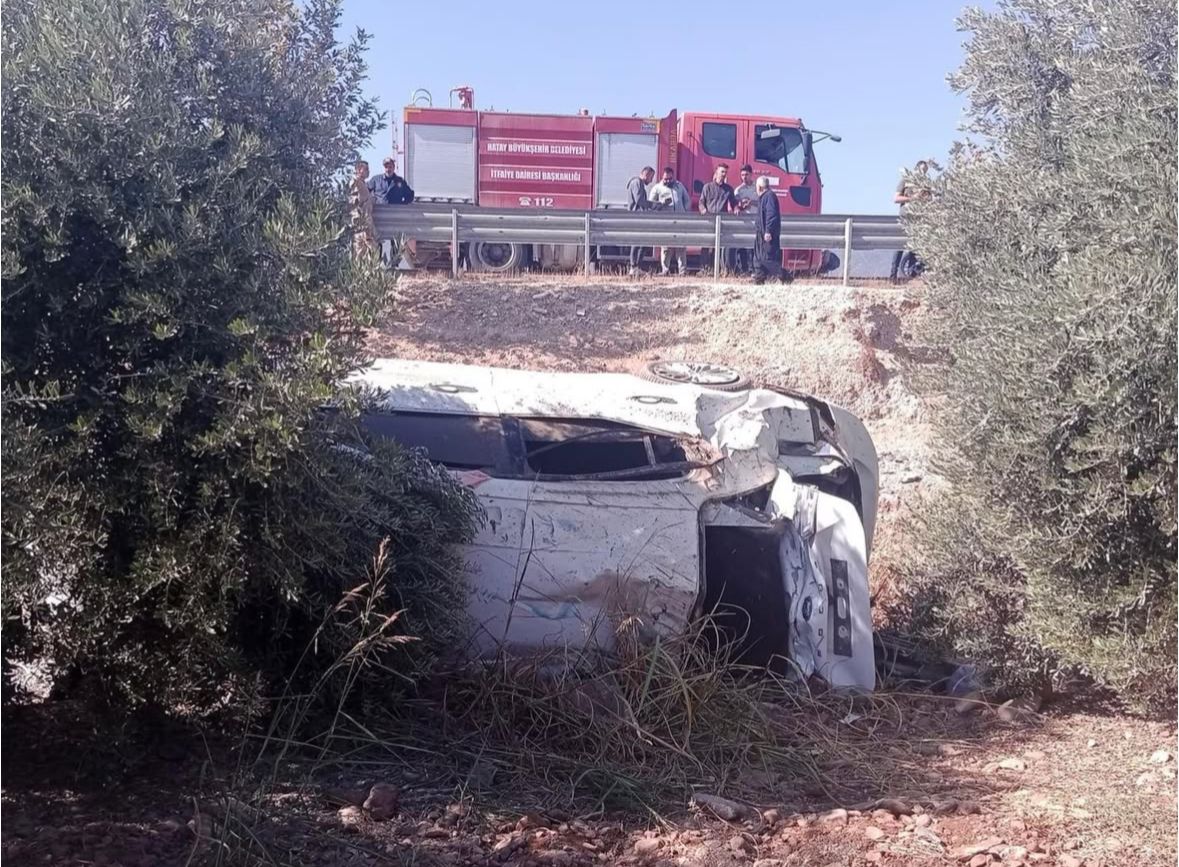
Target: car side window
719,140
459,442
555,447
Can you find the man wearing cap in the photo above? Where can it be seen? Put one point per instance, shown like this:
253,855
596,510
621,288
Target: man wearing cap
390,188
637,200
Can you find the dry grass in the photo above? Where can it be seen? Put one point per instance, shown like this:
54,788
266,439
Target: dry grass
637,730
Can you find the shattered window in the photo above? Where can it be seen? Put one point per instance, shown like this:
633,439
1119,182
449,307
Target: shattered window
581,448
531,447
460,442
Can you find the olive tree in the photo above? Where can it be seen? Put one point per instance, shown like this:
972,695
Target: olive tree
1050,242
179,306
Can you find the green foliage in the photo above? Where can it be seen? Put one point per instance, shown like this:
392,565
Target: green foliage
1050,241
178,305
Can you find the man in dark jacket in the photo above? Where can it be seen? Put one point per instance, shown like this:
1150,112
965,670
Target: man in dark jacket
636,200
767,250
390,188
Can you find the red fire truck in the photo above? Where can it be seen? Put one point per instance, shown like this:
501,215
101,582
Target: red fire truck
503,159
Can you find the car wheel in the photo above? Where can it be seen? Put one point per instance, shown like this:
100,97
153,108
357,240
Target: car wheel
702,373
496,256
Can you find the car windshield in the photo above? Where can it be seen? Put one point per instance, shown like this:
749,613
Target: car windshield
786,150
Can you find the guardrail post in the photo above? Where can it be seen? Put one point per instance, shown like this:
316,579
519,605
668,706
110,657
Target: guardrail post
847,238
587,245
716,251
454,247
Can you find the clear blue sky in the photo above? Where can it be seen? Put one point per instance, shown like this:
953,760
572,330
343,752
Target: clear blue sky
872,72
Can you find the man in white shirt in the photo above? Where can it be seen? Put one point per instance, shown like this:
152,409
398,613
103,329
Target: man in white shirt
746,196
670,195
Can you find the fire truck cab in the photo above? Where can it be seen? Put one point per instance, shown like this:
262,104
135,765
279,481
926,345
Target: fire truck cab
781,148
581,162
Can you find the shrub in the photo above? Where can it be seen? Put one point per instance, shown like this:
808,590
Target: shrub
1050,243
178,304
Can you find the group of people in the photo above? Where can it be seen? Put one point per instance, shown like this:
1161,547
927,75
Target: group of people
716,197
388,188
667,194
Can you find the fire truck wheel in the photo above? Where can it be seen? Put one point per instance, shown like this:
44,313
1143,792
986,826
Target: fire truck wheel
496,256
703,373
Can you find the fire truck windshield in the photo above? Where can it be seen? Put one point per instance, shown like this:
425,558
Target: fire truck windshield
781,147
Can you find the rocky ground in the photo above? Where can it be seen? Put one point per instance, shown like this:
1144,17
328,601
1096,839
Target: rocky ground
1064,789
902,780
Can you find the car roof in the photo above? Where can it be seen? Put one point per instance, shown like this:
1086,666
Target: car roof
435,387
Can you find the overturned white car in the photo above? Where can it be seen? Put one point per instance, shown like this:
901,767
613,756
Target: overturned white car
656,498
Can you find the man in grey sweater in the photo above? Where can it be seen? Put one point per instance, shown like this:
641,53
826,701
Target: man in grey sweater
636,200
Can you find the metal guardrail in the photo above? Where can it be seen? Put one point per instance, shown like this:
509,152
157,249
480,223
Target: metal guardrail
457,225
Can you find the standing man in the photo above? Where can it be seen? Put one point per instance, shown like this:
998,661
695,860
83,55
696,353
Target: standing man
390,189
746,196
767,248
637,200
670,195
364,234
906,192
717,197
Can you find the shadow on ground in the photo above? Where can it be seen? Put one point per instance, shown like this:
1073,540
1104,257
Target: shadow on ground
76,792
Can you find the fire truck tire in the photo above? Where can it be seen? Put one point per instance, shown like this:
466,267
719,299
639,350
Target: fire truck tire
706,374
496,256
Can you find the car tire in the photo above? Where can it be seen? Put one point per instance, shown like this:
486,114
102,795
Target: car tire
703,374
496,256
